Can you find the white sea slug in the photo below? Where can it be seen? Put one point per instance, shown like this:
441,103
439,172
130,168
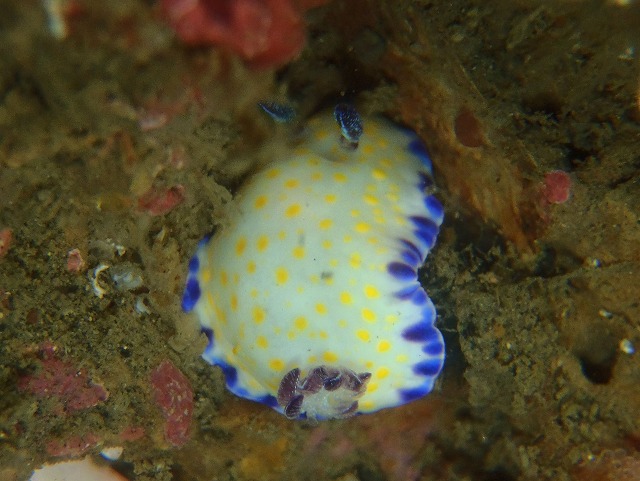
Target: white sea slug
309,295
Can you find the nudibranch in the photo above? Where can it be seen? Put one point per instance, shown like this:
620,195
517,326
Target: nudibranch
309,295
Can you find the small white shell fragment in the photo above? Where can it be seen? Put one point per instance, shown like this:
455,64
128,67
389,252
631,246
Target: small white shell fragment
605,314
76,470
627,347
142,306
112,453
592,262
98,290
55,18
126,276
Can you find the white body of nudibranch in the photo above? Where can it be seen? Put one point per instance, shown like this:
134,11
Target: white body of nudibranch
310,295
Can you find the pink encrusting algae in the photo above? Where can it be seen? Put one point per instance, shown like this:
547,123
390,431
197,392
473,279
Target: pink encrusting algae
172,392
71,447
158,201
64,382
6,238
265,33
557,187
75,262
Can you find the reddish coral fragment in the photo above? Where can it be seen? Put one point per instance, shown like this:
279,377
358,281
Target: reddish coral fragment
75,262
557,187
266,33
132,433
172,392
161,201
72,447
63,381
6,238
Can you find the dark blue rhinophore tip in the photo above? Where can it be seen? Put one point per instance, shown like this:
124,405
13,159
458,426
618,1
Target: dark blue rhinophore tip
349,121
281,113
191,294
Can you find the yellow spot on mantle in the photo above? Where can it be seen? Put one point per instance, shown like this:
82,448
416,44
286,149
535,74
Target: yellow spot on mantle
276,364
258,315
345,297
362,227
371,292
363,335
241,245
368,405
321,308
281,275
325,224
339,177
330,356
206,275
321,134
370,199
260,202
293,210
368,315
330,198
298,252
301,323
368,149
234,301
263,243
262,342
384,346
378,174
